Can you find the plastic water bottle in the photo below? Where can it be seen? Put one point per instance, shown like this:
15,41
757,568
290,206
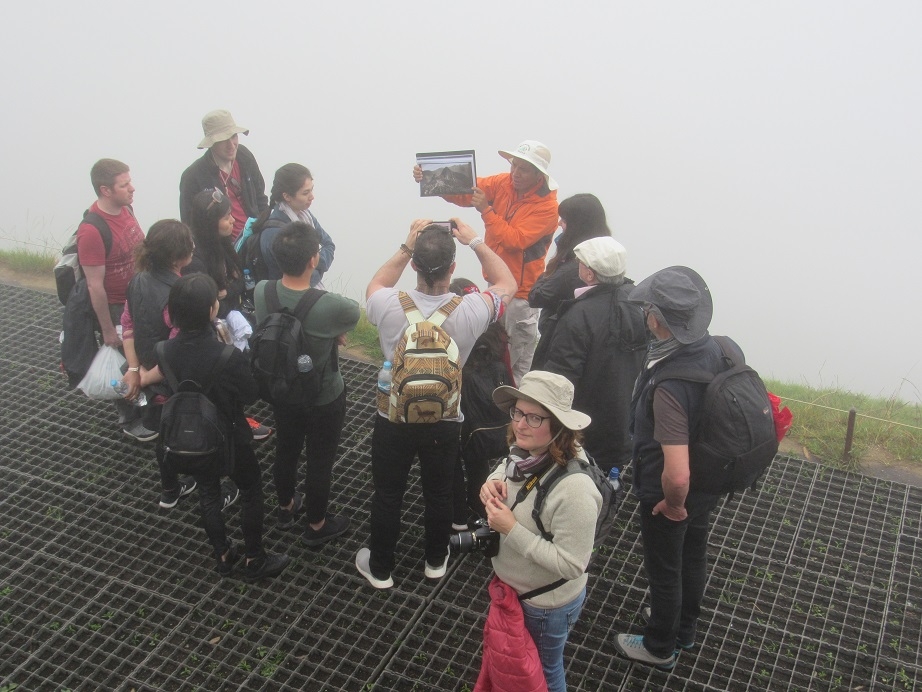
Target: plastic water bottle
384,378
614,479
248,281
305,364
121,388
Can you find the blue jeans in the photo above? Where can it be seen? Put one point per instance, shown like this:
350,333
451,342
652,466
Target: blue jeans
550,628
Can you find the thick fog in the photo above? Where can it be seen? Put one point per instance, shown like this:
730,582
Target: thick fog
774,147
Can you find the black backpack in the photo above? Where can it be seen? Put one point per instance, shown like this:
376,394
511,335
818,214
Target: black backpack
611,501
734,440
274,349
251,254
195,437
67,272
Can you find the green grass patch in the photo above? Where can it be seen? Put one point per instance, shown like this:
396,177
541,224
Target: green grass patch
891,426
365,338
28,261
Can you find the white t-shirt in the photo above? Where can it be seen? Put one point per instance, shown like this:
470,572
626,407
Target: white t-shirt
468,321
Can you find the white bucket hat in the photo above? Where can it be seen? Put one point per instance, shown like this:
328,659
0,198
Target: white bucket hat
219,126
536,154
550,390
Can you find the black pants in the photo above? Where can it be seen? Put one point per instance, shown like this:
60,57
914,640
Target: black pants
675,560
248,478
393,449
321,428
470,475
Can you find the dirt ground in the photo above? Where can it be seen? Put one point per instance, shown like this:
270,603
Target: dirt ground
879,463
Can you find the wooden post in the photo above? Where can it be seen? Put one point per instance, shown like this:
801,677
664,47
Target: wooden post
849,436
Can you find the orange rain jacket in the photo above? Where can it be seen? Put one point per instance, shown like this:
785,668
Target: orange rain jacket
518,230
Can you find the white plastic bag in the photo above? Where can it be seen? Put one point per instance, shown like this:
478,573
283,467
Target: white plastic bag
106,366
239,328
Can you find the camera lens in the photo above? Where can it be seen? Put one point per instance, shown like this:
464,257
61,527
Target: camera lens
461,543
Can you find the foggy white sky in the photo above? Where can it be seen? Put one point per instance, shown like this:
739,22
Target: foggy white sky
774,147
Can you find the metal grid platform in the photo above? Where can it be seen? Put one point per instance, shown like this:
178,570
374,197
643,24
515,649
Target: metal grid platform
814,585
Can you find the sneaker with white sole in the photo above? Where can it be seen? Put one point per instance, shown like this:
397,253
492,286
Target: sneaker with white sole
260,431
230,493
631,646
438,571
138,432
169,498
362,560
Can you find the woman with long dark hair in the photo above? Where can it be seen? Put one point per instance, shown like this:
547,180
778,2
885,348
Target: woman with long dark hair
212,225
291,198
581,217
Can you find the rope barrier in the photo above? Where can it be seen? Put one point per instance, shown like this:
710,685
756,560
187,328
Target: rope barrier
863,415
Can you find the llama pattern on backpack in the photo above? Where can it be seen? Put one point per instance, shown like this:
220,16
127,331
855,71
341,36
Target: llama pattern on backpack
426,384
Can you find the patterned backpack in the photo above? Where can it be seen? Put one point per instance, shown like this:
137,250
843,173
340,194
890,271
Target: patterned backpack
426,384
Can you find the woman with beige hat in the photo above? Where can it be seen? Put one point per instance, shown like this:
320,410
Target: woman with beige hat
549,576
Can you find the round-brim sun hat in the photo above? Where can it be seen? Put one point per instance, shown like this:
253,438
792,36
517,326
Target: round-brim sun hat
681,297
536,154
219,126
549,390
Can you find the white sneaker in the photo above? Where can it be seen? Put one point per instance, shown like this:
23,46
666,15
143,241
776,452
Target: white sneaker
362,559
436,572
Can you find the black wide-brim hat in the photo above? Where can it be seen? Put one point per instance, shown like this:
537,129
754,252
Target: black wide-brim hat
683,299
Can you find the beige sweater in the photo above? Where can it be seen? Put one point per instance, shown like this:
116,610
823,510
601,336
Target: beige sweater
527,561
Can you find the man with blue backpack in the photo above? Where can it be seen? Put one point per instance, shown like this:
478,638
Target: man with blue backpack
702,427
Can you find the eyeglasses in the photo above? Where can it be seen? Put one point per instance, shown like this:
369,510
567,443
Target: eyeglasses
217,197
533,420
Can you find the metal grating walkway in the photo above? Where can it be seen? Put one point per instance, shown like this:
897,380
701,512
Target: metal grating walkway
815,583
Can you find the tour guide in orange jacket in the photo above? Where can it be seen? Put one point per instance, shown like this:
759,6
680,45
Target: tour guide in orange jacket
519,212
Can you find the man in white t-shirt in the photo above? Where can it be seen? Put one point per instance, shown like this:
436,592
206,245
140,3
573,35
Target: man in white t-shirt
430,249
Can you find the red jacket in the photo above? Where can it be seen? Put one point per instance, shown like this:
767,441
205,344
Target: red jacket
518,230
510,657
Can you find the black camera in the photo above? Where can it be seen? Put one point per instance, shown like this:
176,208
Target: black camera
482,538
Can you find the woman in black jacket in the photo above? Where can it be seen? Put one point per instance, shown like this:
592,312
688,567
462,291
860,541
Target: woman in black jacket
581,217
212,224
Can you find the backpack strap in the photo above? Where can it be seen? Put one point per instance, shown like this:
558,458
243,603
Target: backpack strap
437,318
99,223
165,366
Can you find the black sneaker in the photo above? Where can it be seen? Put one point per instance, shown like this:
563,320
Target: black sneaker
225,567
230,493
335,525
265,566
169,498
288,517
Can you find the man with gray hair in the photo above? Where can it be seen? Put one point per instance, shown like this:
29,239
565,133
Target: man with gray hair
674,520
597,340
519,212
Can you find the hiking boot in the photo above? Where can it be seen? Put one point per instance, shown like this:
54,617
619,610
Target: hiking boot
137,431
230,493
288,517
362,559
265,566
225,567
686,646
631,646
169,498
260,431
438,571
334,525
